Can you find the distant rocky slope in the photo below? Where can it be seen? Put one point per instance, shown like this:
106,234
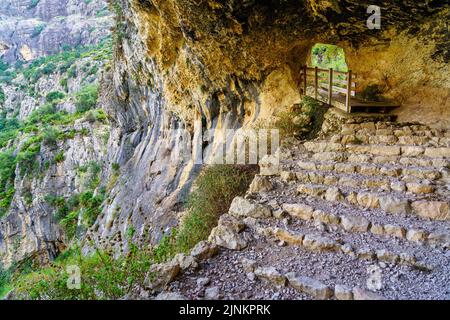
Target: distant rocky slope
52,137
33,28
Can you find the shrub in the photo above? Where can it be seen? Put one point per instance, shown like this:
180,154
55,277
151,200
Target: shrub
33,4
96,115
86,98
59,157
215,188
103,276
298,120
64,83
54,95
7,176
2,96
50,136
9,129
37,30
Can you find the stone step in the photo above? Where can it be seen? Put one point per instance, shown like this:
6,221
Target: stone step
357,223
428,209
423,141
403,186
312,287
339,156
378,149
337,244
398,129
428,173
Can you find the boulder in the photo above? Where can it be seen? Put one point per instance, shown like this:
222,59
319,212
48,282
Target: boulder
395,231
260,184
309,286
363,294
377,229
436,210
288,176
204,250
365,254
185,261
419,188
368,200
212,293
226,234
270,165
241,207
299,210
416,235
394,205
319,243
286,236
387,256
333,194
343,292
355,223
270,274
437,152
326,218
160,275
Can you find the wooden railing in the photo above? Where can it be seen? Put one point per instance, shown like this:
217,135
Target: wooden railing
329,82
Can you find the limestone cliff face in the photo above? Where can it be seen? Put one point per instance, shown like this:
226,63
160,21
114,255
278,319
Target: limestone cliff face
226,64
28,226
32,28
232,64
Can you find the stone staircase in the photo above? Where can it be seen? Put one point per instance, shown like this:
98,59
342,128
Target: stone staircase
362,214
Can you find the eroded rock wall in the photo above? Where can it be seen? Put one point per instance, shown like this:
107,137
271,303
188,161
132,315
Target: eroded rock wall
31,28
232,64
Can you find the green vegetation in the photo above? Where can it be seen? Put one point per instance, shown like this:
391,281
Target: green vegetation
86,98
328,56
298,120
102,276
33,4
8,276
2,96
37,30
54,96
65,61
84,207
215,188
7,175
372,92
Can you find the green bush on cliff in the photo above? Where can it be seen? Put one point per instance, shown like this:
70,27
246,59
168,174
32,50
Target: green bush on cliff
86,98
54,96
215,188
7,175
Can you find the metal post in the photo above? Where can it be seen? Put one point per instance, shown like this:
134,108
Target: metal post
349,90
330,86
316,82
304,79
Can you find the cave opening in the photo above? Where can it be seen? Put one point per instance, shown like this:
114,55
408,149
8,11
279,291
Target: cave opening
326,56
